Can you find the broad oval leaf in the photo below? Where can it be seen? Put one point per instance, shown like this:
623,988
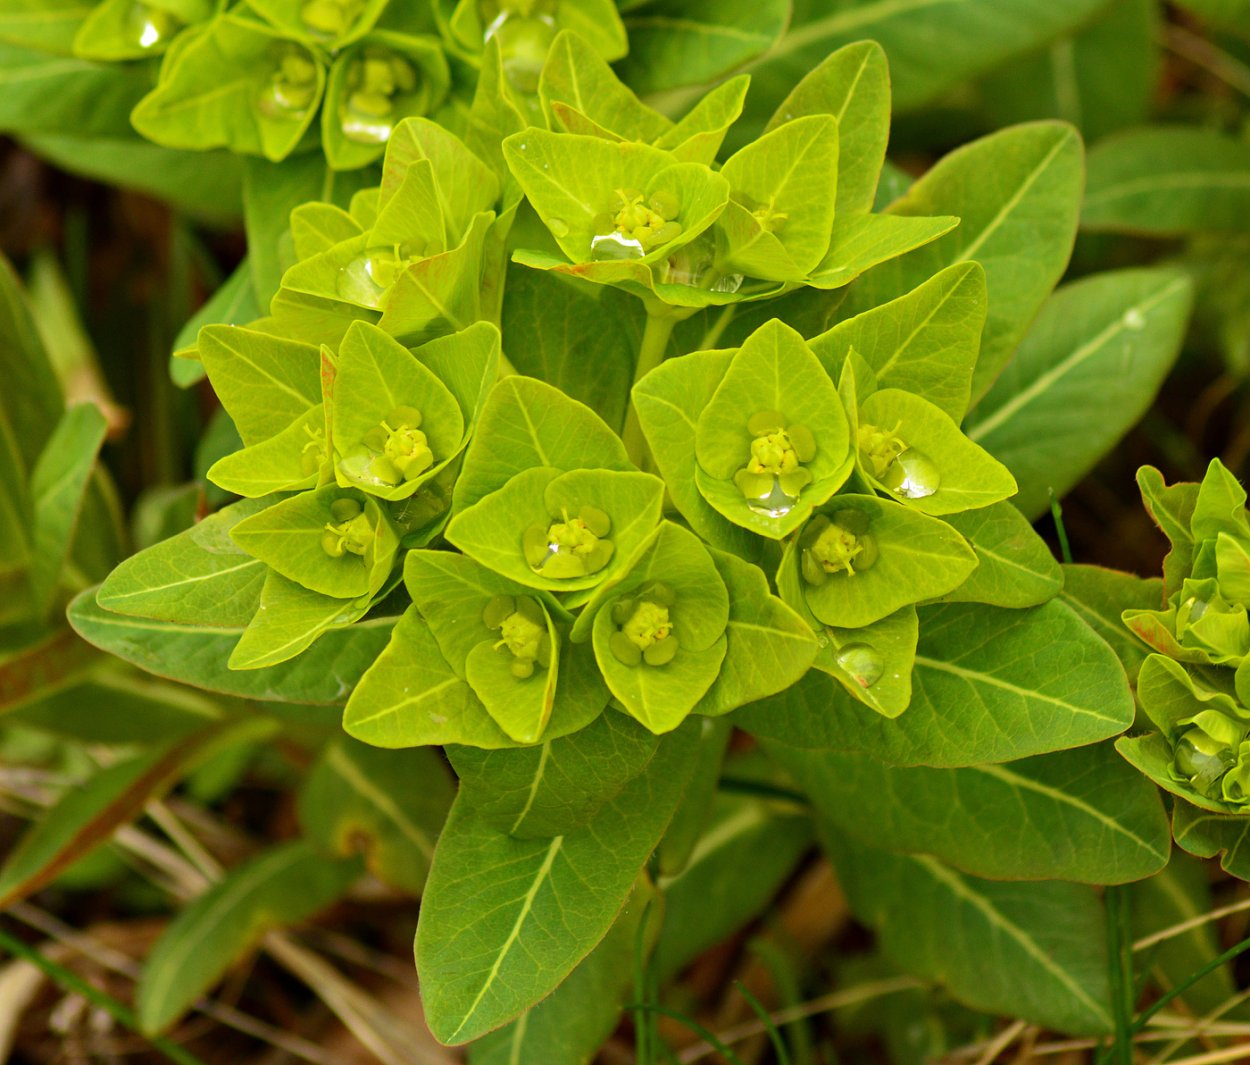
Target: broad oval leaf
1081,815
1085,374
504,920
283,886
990,685
1030,950
1169,180
1017,194
197,655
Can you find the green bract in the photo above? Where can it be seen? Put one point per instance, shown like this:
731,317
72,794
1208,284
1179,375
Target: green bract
1195,688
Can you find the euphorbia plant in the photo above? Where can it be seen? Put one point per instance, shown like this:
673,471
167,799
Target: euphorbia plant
576,569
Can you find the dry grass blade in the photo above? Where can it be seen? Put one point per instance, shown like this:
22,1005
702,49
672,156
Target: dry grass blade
393,1041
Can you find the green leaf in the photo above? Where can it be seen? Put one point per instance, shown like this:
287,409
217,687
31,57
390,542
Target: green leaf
378,376
557,786
143,711
774,371
288,16
387,805
699,42
411,697
932,45
43,666
576,1019
31,402
207,185
288,620
853,85
498,930
88,814
291,460
1015,567
1165,181
272,191
197,654
289,536
234,303
577,77
740,861
1101,78
492,530
790,174
46,25
698,136
526,423
548,317
990,685
770,646
58,485
1080,815
662,695
692,817
1099,596
1152,755
265,382
1181,893
1035,951
571,180
199,577
222,90
859,242
967,477
51,94
1171,507
669,401
283,886
1014,190
1208,834
116,31
1087,371
918,557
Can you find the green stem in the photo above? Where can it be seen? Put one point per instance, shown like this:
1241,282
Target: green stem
71,981
650,354
1120,959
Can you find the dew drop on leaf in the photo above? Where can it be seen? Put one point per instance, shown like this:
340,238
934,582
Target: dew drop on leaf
863,662
913,475
609,246
776,504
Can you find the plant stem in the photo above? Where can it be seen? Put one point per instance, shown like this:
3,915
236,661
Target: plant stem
1120,960
71,981
650,354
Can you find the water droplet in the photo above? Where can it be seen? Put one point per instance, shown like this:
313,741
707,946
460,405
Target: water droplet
863,662
728,283
148,26
913,475
1134,319
357,282
775,504
524,41
558,226
364,129
609,246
